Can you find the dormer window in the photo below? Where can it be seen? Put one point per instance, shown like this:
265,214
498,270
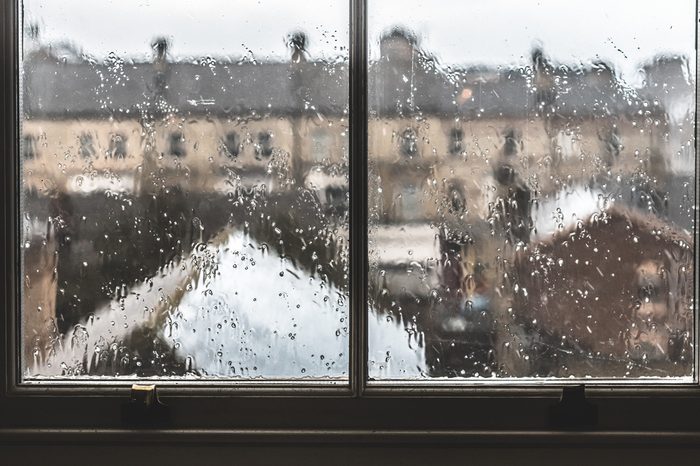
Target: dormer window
176,144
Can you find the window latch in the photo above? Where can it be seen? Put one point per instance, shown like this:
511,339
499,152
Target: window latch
574,411
144,408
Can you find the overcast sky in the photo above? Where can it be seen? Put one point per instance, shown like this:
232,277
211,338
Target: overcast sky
622,32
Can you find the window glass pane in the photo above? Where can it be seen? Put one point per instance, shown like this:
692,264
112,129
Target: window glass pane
531,189
178,217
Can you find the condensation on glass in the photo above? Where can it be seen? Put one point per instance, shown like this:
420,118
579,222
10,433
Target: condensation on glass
184,206
531,190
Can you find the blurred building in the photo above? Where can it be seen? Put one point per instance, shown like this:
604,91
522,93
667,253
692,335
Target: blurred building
615,288
458,156
203,125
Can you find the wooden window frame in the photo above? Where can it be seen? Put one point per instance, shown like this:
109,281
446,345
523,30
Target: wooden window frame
293,412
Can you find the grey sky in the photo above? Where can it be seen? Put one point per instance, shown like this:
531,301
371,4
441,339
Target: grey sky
196,28
622,32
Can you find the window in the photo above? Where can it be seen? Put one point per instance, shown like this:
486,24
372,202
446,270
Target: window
176,144
544,178
99,302
87,149
408,143
117,146
455,145
263,148
408,203
231,145
456,199
346,258
29,151
322,144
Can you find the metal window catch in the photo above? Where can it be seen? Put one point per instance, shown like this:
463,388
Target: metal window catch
144,408
574,411
144,395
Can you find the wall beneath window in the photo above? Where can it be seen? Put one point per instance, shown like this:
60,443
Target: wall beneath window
204,455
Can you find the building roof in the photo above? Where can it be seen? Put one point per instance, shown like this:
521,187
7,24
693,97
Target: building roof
403,82
247,89
581,283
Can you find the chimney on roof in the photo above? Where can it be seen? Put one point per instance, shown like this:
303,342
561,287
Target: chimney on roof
297,41
160,50
398,45
540,61
160,66
671,72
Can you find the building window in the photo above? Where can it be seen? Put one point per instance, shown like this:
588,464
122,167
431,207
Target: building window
566,145
409,202
231,145
176,144
456,199
87,148
117,146
456,141
512,142
29,151
263,148
409,143
321,145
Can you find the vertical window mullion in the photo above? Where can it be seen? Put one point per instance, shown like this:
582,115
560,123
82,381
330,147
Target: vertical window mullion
10,364
696,232
358,195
